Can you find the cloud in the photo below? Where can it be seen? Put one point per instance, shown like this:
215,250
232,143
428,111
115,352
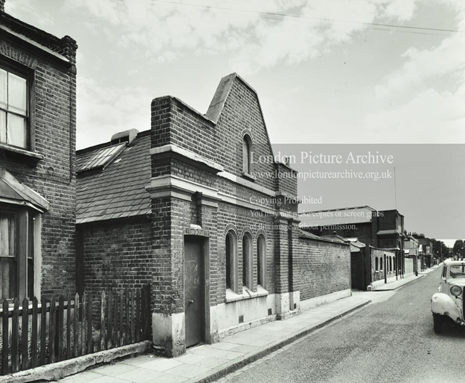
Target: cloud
102,111
24,7
430,117
255,31
432,114
423,65
400,10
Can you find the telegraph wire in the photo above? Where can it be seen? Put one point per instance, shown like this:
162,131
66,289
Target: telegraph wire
277,15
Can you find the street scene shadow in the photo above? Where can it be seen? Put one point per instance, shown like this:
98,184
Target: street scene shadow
452,330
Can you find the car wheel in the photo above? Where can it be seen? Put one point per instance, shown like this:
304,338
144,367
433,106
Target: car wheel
438,320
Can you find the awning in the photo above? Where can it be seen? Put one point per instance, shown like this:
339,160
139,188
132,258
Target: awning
14,192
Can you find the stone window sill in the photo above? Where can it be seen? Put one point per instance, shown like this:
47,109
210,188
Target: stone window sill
231,296
22,152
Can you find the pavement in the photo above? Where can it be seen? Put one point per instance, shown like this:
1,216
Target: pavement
206,363
401,282
209,362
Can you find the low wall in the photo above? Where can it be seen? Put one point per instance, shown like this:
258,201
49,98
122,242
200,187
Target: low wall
242,313
321,268
409,266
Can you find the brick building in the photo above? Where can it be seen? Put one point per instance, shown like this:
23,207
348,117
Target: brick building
196,207
382,230
425,249
37,155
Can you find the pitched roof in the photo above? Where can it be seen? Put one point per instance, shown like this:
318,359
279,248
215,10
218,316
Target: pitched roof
63,48
218,102
13,191
118,190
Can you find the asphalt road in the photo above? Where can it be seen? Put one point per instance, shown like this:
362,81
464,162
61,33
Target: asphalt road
388,341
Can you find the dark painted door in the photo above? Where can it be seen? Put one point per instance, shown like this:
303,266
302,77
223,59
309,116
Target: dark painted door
194,277
356,267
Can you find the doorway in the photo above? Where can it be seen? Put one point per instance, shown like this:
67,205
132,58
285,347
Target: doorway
194,290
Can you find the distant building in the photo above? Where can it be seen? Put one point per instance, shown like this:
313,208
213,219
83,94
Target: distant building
381,229
425,249
411,245
37,155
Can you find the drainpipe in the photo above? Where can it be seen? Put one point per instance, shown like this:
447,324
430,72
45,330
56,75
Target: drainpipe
385,271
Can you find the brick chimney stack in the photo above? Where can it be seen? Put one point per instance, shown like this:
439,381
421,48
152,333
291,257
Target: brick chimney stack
2,6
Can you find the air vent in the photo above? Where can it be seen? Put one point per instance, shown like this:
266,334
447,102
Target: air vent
126,136
241,318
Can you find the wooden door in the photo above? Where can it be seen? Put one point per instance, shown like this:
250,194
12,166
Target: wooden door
194,285
356,268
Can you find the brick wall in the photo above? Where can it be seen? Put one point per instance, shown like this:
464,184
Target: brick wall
378,274
388,220
287,180
53,116
175,123
241,114
162,278
320,268
117,254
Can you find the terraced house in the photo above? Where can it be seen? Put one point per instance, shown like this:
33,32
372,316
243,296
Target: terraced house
37,156
182,206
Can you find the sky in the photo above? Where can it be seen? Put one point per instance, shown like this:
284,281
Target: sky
326,72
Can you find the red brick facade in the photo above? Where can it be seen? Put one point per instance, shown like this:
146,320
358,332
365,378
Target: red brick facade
46,165
118,255
322,268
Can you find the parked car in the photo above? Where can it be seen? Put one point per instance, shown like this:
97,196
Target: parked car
449,300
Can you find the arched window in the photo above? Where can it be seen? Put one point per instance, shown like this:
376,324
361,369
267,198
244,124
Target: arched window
376,263
381,264
247,154
247,261
390,264
261,261
231,260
